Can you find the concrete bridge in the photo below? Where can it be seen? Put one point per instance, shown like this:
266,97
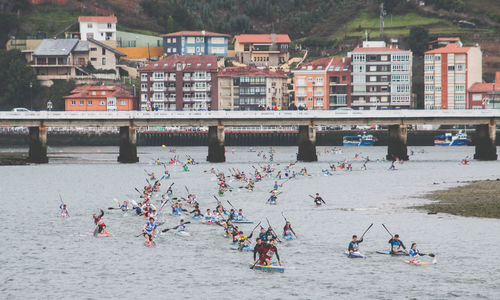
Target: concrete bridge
397,121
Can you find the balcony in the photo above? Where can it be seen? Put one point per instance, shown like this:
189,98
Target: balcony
158,89
187,89
171,88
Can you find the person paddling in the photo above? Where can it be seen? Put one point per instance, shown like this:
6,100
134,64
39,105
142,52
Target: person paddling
318,200
243,240
354,244
64,210
415,253
396,245
149,230
124,206
272,199
270,251
260,250
180,227
287,230
101,227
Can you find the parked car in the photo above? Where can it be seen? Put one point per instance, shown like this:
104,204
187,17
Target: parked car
20,109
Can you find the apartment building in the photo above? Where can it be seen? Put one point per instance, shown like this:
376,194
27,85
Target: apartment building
381,76
99,98
323,84
195,43
179,82
100,28
262,49
485,95
449,72
67,58
251,88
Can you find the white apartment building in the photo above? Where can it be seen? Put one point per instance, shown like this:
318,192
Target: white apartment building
381,76
100,28
448,74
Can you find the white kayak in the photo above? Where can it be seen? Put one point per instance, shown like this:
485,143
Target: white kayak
183,233
354,254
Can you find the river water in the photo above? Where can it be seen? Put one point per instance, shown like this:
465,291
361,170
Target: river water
46,257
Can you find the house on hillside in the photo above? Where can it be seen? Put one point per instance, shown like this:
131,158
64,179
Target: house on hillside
262,49
99,28
251,88
485,95
68,59
99,98
195,43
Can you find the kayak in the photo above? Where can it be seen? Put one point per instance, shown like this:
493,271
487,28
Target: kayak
197,217
149,244
183,233
245,248
288,237
393,254
272,203
102,233
416,263
271,268
354,254
208,223
242,221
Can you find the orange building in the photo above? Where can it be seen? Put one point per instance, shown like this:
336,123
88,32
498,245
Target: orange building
99,98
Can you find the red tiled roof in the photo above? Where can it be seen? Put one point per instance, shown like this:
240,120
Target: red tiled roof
324,63
375,49
248,71
262,38
195,33
100,19
484,87
191,63
450,48
84,92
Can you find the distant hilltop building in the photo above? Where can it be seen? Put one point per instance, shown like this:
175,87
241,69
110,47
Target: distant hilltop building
381,76
449,72
100,28
195,43
262,49
99,98
179,82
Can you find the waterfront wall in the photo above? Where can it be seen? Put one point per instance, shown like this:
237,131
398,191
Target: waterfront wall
324,138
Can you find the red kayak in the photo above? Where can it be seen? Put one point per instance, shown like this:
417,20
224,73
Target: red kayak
102,233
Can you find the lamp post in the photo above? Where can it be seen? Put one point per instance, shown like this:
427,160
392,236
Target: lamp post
31,95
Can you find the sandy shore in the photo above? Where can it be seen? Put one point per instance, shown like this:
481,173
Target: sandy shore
476,199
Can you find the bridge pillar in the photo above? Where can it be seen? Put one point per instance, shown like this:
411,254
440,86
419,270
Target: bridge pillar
307,144
38,145
485,140
216,150
128,145
397,143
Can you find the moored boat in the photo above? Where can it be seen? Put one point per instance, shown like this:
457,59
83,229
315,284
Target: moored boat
449,139
359,140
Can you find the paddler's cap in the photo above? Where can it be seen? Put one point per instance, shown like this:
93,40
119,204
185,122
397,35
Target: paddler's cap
396,235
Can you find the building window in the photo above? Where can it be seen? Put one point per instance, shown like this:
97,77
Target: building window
102,103
144,76
73,102
89,25
158,75
93,49
460,67
429,68
104,61
429,88
110,26
451,68
373,78
103,93
94,93
459,88
89,102
82,102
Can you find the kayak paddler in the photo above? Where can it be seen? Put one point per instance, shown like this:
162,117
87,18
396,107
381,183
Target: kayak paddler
272,199
243,240
396,244
287,229
64,210
260,250
318,200
354,244
270,251
415,253
149,230
99,222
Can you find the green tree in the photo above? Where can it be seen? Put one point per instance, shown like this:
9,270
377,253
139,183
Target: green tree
170,25
16,76
418,40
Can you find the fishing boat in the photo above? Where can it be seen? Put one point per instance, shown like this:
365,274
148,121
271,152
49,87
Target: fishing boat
449,139
359,140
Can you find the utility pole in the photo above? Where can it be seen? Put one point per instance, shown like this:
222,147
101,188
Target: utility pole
382,14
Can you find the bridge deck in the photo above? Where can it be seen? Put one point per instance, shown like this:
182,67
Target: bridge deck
249,118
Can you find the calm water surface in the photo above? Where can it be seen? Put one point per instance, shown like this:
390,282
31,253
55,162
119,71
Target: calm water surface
46,257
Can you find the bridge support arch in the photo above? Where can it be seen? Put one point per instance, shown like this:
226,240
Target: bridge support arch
38,145
397,142
128,145
485,141
216,150
307,144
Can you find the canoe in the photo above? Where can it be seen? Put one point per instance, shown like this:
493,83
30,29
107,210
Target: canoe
354,254
393,254
271,268
416,263
245,248
183,233
242,221
103,234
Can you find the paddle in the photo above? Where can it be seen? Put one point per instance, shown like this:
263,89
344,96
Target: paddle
277,238
366,230
60,198
387,230
231,204
187,190
315,198
138,191
167,229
